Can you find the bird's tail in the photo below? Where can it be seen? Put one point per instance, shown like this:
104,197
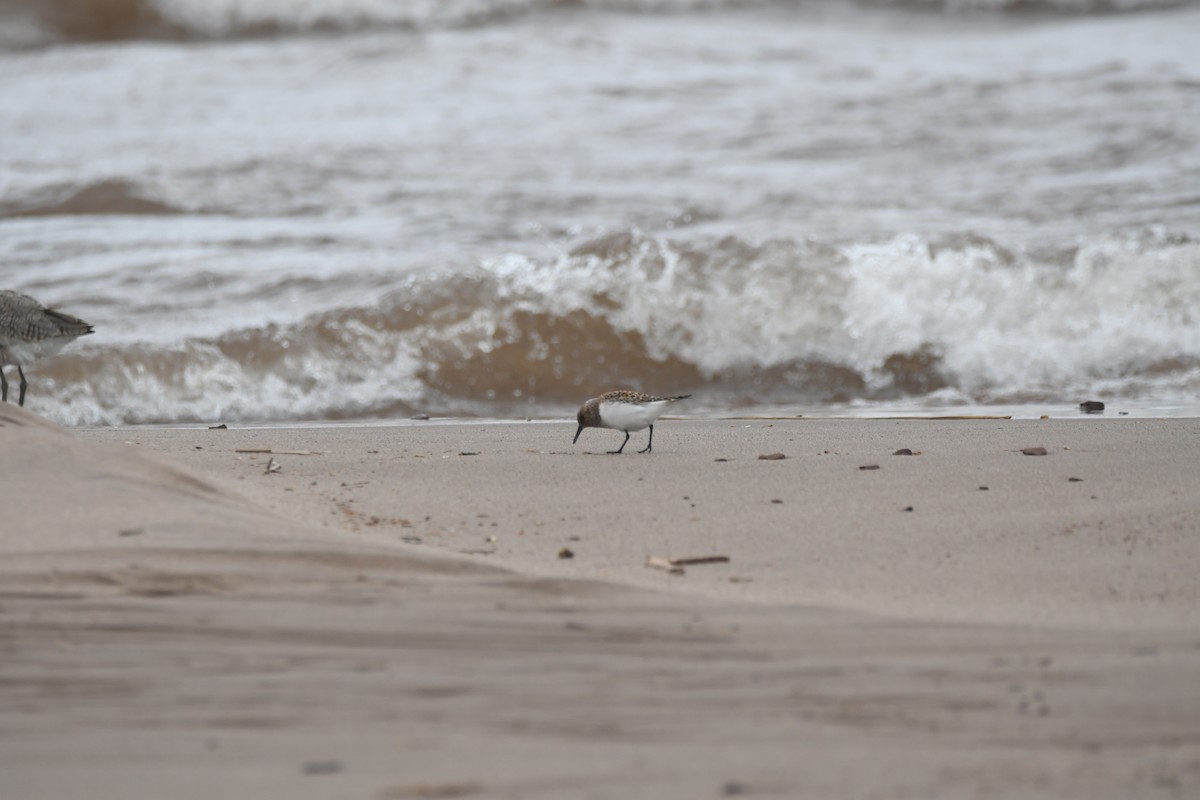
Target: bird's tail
68,325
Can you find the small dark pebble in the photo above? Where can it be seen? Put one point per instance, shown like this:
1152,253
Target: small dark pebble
903,451
1075,480
908,508
322,767
566,552
869,466
1034,451
776,501
221,427
720,459
772,457
983,488
131,532
1091,407
466,453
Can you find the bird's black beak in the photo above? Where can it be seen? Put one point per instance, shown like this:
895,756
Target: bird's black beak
578,431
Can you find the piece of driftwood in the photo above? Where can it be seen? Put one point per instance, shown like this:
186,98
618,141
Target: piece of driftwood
675,566
658,562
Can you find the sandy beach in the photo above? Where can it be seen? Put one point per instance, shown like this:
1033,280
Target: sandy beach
465,610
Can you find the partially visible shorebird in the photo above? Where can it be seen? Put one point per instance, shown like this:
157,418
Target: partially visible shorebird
623,411
29,331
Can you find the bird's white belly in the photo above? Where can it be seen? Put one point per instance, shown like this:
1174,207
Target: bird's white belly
24,352
629,416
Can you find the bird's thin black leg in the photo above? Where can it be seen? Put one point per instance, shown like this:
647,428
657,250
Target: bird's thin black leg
3,386
21,372
617,452
650,443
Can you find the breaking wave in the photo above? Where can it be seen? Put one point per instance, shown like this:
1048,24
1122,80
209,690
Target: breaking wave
37,21
740,324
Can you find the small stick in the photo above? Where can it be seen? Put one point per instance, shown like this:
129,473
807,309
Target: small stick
687,562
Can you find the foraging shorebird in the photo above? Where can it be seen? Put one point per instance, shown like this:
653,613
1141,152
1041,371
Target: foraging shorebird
623,411
29,331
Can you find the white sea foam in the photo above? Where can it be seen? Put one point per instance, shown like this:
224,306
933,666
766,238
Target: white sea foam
225,17
999,322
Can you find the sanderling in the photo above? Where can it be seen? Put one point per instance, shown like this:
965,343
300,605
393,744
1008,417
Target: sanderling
28,331
623,411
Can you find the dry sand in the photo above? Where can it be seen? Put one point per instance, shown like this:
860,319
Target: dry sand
389,615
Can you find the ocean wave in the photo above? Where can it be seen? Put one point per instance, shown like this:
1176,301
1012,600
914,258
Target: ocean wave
1024,7
99,197
37,21
105,20
958,318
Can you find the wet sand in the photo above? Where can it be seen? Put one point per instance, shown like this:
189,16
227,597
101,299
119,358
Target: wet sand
392,613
